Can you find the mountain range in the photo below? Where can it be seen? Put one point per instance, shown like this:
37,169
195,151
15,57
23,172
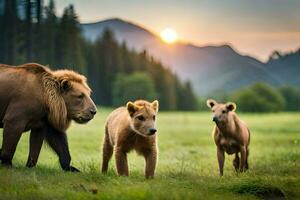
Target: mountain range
209,68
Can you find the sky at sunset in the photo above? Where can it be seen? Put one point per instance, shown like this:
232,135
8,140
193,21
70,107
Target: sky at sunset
252,27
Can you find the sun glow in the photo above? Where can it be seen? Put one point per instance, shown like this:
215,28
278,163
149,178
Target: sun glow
169,35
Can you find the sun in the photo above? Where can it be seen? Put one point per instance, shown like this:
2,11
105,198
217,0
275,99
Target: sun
169,35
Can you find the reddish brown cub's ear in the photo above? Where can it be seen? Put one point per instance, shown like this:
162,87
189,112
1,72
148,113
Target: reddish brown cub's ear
131,108
211,103
231,106
155,105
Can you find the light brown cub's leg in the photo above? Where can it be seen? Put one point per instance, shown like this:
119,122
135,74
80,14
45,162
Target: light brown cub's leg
243,158
107,153
236,162
150,158
121,162
221,157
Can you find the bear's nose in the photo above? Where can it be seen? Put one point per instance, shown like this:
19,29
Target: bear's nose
152,131
93,111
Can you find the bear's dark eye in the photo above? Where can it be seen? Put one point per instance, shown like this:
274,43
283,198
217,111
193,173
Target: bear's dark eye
80,96
154,117
141,118
223,111
213,110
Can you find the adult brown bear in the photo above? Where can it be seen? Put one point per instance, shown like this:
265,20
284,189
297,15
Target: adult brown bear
32,97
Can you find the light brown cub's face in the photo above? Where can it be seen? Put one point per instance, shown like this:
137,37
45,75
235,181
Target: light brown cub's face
143,116
220,111
80,106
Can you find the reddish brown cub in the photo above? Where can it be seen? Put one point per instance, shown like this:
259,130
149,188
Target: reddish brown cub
131,128
231,135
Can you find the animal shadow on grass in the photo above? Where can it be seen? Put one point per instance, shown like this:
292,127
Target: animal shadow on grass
261,191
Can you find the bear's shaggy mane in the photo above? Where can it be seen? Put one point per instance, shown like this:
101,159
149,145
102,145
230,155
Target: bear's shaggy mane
51,82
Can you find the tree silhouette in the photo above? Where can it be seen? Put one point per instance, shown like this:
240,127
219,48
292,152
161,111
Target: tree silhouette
40,36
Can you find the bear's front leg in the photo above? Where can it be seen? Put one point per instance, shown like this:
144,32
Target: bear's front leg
58,141
121,162
151,159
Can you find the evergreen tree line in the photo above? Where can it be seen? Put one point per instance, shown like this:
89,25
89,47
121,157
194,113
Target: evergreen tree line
32,32
261,97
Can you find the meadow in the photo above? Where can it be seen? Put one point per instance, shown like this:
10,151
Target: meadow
187,167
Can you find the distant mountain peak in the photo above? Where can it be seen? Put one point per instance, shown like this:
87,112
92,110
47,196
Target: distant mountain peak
92,30
209,68
114,19
117,21
226,46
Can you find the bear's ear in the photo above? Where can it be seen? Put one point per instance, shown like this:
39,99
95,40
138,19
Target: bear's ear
65,85
211,103
231,106
155,105
131,108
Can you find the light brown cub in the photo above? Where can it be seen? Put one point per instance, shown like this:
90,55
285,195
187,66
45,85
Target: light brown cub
128,128
230,134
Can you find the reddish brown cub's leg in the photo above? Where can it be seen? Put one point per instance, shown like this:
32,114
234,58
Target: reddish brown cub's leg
221,157
243,158
121,162
151,159
247,165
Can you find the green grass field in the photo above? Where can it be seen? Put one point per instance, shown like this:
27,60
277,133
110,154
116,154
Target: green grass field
187,167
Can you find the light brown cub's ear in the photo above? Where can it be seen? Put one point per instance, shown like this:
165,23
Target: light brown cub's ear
131,108
211,103
155,105
231,106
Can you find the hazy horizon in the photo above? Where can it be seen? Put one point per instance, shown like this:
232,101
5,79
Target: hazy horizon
255,28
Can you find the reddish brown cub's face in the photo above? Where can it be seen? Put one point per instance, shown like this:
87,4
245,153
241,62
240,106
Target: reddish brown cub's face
220,111
80,106
143,117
